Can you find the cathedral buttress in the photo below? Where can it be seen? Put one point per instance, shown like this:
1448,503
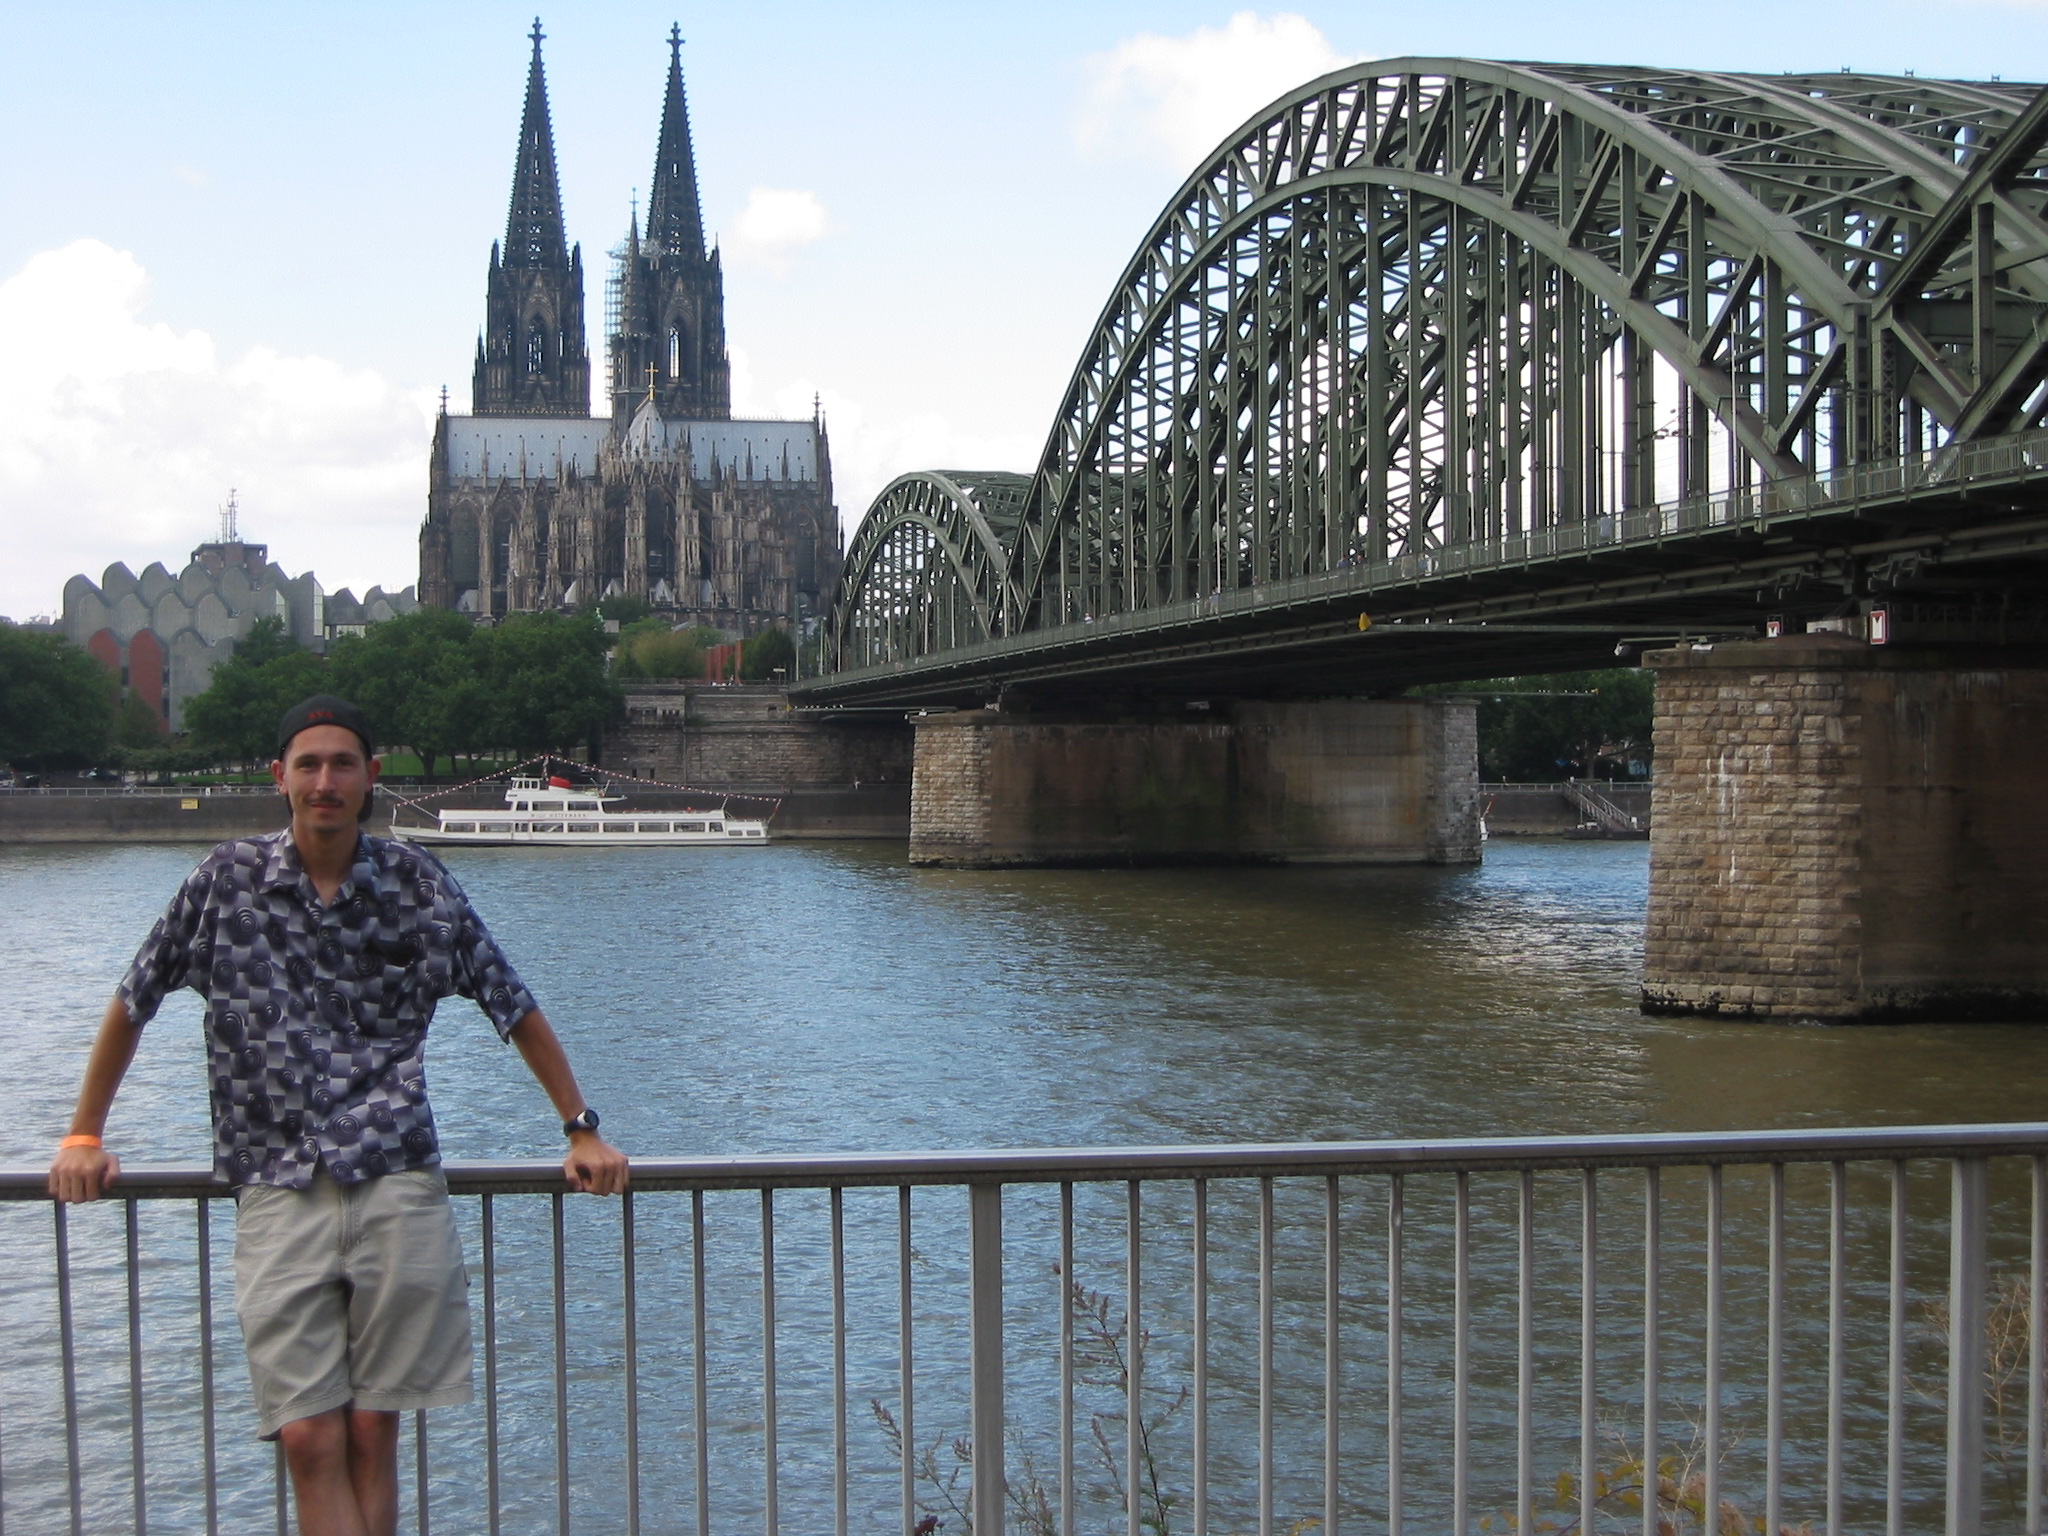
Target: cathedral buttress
533,359
668,290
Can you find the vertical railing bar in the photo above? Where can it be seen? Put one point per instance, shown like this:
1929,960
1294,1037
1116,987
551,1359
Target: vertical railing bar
490,1237
419,1449
1838,1221
561,1369
1332,1382
700,1400
279,1513
1710,1503
1265,1357
1525,1356
1396,1494
771,1472
1966,1311
2037,1348
1589,1311
137,1458
1895,1364
61,1232
986,1362
1774,1364
1134,1362
206,1424
839,1488
1067,1284
1201,1382
1653,1289
1461,1354
628,1244
904,1342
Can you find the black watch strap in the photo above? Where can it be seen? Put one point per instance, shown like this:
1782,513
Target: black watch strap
585,1120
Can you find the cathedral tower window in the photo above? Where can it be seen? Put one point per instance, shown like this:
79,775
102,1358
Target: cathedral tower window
537,351
675,352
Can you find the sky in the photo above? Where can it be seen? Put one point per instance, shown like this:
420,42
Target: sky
243,246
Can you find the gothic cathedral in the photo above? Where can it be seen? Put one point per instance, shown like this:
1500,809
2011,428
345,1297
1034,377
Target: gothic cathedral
532,502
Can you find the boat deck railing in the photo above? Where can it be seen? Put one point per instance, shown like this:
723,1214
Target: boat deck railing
1813,1329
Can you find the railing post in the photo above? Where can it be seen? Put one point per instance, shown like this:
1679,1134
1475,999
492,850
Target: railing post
985,1281
1966,1286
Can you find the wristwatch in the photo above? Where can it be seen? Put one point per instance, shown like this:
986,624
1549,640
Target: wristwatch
585,1120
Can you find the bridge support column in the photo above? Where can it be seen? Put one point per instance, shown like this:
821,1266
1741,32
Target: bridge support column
1332,781
1848,833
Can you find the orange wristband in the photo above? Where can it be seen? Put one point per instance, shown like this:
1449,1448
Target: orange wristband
78,1141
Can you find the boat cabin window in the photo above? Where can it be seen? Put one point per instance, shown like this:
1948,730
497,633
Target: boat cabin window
690,826
547,826
461,826
650,826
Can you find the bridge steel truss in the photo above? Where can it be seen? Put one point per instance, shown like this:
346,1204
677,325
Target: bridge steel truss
1424,309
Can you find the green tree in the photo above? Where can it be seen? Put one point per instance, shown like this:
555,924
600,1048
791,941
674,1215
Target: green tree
658,651
421,678
624,610
236,717
56,702
765,652
548,687
1561,724
137,726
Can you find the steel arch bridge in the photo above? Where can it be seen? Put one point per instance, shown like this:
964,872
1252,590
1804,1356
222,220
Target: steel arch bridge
1454,340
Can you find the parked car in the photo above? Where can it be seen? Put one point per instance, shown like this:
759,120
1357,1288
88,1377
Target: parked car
100,776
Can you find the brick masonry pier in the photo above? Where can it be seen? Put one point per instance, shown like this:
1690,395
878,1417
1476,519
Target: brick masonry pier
1335,781
1846,833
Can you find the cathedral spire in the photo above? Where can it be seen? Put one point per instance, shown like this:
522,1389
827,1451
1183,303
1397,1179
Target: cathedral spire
533,231
534,360
675,222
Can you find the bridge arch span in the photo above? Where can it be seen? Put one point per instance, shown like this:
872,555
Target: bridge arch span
1427,303
928,566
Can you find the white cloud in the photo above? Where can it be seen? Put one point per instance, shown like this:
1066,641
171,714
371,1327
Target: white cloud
120,437
1174,98
774,226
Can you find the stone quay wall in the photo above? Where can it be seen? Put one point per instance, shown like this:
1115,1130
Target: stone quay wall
1335,781
1845,832
742,738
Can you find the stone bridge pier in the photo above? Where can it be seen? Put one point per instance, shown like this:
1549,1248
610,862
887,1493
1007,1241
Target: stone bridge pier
1845,832
1326,781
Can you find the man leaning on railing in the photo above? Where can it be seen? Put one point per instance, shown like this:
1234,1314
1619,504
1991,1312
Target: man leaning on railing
321,952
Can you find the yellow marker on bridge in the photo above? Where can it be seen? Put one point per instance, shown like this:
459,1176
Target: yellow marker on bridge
1364,622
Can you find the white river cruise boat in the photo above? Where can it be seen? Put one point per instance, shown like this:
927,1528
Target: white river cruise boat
552,812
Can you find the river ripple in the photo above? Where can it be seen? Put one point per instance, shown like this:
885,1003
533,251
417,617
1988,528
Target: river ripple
828,997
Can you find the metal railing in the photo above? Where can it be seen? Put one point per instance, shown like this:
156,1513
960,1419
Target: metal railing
1665,1333
1602,811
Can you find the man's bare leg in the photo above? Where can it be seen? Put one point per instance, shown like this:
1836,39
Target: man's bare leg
316,1450
373,1468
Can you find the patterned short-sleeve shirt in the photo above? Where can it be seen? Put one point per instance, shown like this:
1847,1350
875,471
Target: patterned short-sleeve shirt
317,1013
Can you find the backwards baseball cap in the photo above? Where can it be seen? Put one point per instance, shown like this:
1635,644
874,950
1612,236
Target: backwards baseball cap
323,709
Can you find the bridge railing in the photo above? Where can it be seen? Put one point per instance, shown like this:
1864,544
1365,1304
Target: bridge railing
1944,470
1665,1333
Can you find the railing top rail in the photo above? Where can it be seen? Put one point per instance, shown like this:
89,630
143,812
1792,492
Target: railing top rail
1096,1164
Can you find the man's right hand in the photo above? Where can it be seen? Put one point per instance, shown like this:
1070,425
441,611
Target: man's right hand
83,1173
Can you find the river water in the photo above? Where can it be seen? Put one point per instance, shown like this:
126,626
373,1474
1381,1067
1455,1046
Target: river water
829,997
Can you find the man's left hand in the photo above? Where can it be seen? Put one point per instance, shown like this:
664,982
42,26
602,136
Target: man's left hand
595,1167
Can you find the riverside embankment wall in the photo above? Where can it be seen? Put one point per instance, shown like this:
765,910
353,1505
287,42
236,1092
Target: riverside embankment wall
833,776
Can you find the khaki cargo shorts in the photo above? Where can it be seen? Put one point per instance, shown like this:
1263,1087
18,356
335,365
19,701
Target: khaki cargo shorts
352,1294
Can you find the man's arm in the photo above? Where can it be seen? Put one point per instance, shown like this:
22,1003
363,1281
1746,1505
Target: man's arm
591,1164
82,1173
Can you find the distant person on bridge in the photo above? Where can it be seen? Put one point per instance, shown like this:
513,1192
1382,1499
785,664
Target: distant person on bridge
321,952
